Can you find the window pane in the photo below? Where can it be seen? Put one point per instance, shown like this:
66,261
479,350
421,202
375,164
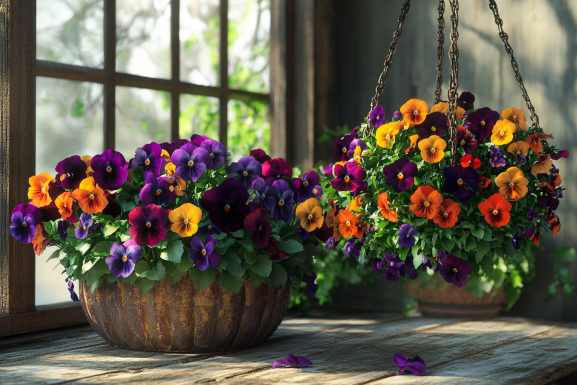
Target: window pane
142,116
248,44
143,37
68,122
248,127
199,41
70,32
198,115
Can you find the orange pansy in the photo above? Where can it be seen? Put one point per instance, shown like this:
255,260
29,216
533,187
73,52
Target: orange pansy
38,190
347,223
542,166
512,183
503,132
90,197
484,182
385,209
549,187
355,204
64,203
415,111
185,219
386,134
426,201
545,136
310,213
518,148
444,106
413,139
432,149
496,210
177,184
333,222
535,238
515,115
534,142
165,155
554,224
39,242
357,156
169,168
447,213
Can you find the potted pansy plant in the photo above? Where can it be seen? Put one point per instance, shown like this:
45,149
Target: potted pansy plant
178,248
415,196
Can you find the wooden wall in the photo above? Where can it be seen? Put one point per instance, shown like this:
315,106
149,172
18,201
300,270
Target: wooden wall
543,34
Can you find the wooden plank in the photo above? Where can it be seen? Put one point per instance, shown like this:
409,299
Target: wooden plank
17,147
174,68
110,73
223,73
44,318
279,102
69,72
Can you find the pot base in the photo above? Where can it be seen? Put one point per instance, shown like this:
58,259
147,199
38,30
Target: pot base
459,311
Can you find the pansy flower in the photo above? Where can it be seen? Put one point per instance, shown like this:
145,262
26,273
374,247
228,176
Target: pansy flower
496,210
310,290
327,171
274,253
415,365
534,235
386,134
203,254
447,214
400,174
531,214
503,131
466,140
377,117
226,204
87,159
73,295
178,143
395,268
147,224
39,242
426,201
296,361
123,258
519,150
246,170
110,169
311,214
512,184
415,111
541,166
332,222
352,249
149,157
330,245
157,191
434,124
548,202
482,122
347,177
432,149
259,155
318,192
185,220
407,235
560,154
209,229
484,182
65,204
90,196
258,224
283,201
347,223
456,270
554,224
534,142
466,101
190,161
38,190
216,154
71,170
341,147
62,229
516,116
85,222
25,218
303,188
197,140
444,107
496,159
385,209
263,194
397,116
275,169
170,169
413,141
459,181
361,188
470,161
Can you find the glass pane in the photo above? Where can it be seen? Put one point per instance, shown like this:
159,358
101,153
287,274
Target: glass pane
198,115
143,37
142,116
248,44
199,41
68,122
248,127
70,32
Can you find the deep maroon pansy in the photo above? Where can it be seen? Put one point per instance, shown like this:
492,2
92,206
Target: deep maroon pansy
63,227
560,154
246,170
303,188
147,224
466,101
259,155
190,161
481,122
84,227
157,191
274,253
466,140
226,204
149,157
263,193
210,229
548,202
435,123
123,258
401,174
25,218
72,171
312,287
415,365
203,254
361,188
459,181
258,224
327,170
197,140
216,154
110,169
275,169
178,143
496,159
296,361
166,147
283,201
73,295
347,177
377,116
456,270
341,146
531,214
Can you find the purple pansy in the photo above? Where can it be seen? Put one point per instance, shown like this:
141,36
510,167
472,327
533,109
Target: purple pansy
226,204
190,161
401,174
178,143
210,229
283,202
415,365
531,214
518,240
198,139
85,222
434,124
275,169
25,218
216,154
312,287
303,188
482,122
352,249
455,270
459,181
73,170
123,258
73,295
258,224
407,235
296,361
347,177
377,117
303,234
157,191
376,264
263,194
560,154
63,229
110,169
330,245
395,268
466,101
341,146
361,188
149,157
203,254
548,202
397,116
353,146
327,170
496,159
246,170
147,224
466,140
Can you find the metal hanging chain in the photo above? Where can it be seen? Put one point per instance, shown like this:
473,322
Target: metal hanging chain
440,51
454,79
514,65
388,60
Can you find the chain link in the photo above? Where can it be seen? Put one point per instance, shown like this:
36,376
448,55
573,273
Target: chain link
440,51
514,65
388,61
454,79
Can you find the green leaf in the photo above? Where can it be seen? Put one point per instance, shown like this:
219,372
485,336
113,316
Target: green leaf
144,285
185,264
127,206
220,236
230,282
102,248
512,295
202,279
238,233
487,236
434,239
470,244
565,253
83,247
447,232
278,276
420,222
173,252
125,235
478,233
87,266
55,254
109,229
487,265
482,248
141,266
417,260
95,273
250,258
290,246
262,267
447,245
246,243
172,273
156,274
234,265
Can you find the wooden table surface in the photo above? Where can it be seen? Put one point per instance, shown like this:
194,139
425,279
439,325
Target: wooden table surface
346,347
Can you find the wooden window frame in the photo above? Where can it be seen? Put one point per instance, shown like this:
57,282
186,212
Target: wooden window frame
18,70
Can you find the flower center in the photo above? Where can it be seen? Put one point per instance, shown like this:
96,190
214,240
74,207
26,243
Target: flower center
347,179
158,192
148,224
281,202
315,191
416,112
400,175
310,217
91,196
495,212
514,117
502,133
495,159
65,205
227,208
43,190
83,227
278,176
445,214
108,169
433,128
124,259
190,163
426,204
245,174
462,142
378,117
348,223
482,122
263,196
433,149
211,155
470,161
388,136
186,221
203,252
305,184
209,227
24,224
455,270
147,162
460,181
511,183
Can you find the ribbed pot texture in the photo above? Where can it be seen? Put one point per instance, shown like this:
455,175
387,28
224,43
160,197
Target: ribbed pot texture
179,318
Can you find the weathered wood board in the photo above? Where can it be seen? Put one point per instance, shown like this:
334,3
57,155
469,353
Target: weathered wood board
345,348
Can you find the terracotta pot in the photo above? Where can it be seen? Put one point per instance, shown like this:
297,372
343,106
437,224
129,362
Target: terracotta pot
438,298
179,318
